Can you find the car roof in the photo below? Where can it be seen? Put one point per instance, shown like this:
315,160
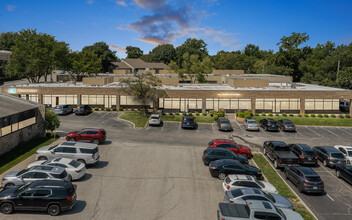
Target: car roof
278,143
234,210
249,191
304,147
78,144
47,168
349,148
50,184
226,161
263,205
92,129
222,141
154,115
330,149
61,160
219,149
307,171
240,177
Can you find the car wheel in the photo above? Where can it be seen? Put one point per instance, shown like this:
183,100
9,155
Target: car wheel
69,177
72,139
266,128
54,210
8,185
245,155
96,141
42,158
82,161
6,208
222,176
286,175
338,174
264,151
276,165
325,162
300,188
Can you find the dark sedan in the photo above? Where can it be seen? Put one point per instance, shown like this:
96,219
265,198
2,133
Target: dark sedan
222,168
224,124
188,122
305,154
268,124
83,110
286,125
344,172
330,156
306,179
212,154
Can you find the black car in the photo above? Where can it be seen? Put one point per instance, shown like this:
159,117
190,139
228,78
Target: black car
279,153
212,154
188,122
330,156
222,168
224,124
344,172
286,125
268,124
306,179
44,195
83,110
305,154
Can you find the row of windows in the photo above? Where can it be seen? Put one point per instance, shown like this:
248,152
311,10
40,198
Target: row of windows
17,126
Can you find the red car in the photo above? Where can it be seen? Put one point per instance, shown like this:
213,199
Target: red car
231,145
94,135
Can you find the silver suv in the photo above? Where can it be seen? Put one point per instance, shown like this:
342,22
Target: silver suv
86,153
20,177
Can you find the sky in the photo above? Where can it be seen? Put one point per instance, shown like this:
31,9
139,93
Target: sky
223,24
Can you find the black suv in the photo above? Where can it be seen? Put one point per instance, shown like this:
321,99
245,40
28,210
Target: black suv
222,168
83,110
188,122
43,195
212,154
269,124
330,156
306,179
305,154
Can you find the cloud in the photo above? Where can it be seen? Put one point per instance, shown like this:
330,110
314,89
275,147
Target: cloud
89,2
151,4
120,49
59,22
121,3
10,7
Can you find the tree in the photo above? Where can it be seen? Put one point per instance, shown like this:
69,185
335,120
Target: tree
133,52
7,40
84,63
51,120
344,78
252,50
101,49
144,87
191,46
163,53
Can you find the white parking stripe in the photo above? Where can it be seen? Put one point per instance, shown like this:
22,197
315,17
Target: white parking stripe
312,131
330,197
299,132
240,127
331,132
104,115
348,130
341,181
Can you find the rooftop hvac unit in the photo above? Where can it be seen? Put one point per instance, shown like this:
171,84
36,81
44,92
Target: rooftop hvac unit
293,85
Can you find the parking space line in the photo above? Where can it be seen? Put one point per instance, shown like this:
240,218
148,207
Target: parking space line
240,126
312,131
162,128
299,133
341,181
347,130
104,115
343,130
331,132
330,197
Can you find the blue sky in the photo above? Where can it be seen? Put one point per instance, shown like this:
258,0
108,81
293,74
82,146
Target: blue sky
223,24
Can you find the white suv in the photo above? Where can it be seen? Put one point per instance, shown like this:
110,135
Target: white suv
155,119
239,181
346,151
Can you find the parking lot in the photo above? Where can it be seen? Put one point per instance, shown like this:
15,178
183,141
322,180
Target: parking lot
157,172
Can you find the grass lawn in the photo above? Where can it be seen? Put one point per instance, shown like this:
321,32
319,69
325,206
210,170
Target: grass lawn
136,118
273,177
22,152
313,121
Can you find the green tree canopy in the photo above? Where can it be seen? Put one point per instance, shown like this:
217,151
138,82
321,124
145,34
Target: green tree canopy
344,78
84,63
133,52
163,53
191,46
7,40
107,56
51,120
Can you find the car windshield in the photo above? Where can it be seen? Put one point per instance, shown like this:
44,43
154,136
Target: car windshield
310,153
155,117
188,119
337,155
22,188
270,197
50,148
74,163
272,122
349,153
280,212
288,123
22,172
251,122
313,178
58,107
260,183
224,122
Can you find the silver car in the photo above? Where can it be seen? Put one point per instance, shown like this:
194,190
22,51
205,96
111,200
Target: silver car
155,119
85,153
251,125
20,177
63,109
241,195
75,169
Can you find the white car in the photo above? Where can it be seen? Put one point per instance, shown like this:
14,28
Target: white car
155,119
232,182
346,151
251,124
76,170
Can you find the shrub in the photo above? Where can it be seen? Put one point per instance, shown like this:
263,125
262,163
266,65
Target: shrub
306,115
221,114
121,108
212,112
189,113
341,116
197,113
320,115
291,114
299,115
114,108
263,114
277,115
204,114
107,109
284,114
270,114
184,113
96,109
170,113
333,115
132,109
216,117
163,113
248,116
177,113
347,116
326,115
312,115
256,114
240,115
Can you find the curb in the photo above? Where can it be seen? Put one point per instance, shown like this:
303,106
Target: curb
134,126
304,204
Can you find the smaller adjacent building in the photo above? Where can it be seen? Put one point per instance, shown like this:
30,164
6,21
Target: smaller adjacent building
129,66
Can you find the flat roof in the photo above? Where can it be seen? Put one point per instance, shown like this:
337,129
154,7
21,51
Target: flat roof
12,105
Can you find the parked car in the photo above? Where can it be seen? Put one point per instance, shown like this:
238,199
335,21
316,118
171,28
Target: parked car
241,195
286,125
63,109
254,210
76,170
344,172
51,196
188,122
346,151
269,124
306,179
83,110
20,177
94,135
154,119
330,156
224,124
231,145
212,154
279,153
232,182
305,154
222,168
85,153
251,125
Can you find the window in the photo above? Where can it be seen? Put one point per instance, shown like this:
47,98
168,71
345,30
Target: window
58,149
84,132
69,150
42,192
39,175
267,215
249,184
228,155
28,193
342,150
254,198
29,175
220,154
59,165
92,132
